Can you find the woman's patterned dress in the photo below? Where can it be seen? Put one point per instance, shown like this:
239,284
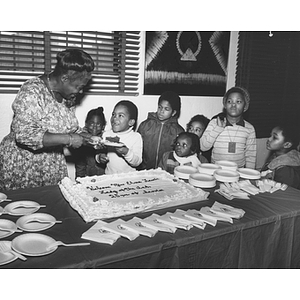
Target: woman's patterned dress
24,162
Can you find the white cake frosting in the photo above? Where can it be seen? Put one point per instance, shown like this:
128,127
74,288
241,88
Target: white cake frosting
107,196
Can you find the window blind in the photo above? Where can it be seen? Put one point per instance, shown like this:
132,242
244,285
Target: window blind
269,68
116,56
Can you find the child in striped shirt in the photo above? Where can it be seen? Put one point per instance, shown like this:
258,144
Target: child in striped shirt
232,137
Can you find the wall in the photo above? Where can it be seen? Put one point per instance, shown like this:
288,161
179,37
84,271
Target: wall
208,106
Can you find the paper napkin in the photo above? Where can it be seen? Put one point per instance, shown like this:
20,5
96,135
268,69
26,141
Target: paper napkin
196,215
271,186
181,215
153,222
171,220
231,191
205,211
227,210
97,234
248,187
117,227
136,225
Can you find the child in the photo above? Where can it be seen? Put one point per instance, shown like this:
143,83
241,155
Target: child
128,157
160,129
186,148
232,137
197,125
85,163
283,165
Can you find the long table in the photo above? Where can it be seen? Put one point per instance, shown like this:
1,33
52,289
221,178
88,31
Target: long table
268,236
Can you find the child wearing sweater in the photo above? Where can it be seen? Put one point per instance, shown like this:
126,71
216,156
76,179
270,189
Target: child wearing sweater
232,137
126,156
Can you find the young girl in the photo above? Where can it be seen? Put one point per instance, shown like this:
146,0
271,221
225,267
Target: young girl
232,137
186,148
283,165
122,159
197,125
160,129
85,163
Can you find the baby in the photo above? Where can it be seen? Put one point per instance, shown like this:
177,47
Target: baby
186,148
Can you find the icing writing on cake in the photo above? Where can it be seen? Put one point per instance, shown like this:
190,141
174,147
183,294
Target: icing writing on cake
126,189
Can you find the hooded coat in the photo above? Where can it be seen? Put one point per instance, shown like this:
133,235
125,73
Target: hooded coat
285,168
158,138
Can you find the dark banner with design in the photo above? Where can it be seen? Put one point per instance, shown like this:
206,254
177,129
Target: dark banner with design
187,62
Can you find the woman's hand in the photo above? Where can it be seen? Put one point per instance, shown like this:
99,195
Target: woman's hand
86,138
76,140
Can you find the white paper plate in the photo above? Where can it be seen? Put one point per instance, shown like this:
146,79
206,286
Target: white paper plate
33,244
207,168
249,173
227,165
226,175
113,144
184,172
7,224
7,257
202,180
24,224
14,209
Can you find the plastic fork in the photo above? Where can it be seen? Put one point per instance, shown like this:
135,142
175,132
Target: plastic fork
42,221
60,243
5,246
29,206
9,229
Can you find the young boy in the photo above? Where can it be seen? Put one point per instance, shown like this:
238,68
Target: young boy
283,165
122,158
160,129
232,137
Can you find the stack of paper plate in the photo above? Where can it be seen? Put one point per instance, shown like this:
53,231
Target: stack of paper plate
249,173
227,165
226,175
202,180
207,168
184,172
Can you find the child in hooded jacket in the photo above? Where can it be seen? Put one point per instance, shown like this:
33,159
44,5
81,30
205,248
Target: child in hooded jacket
283,164
160,129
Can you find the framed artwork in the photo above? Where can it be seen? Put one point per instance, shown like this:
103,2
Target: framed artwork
187,62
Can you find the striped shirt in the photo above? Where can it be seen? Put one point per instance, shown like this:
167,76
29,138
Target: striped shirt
240,136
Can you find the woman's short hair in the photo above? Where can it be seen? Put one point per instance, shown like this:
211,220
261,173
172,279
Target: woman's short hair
76,60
